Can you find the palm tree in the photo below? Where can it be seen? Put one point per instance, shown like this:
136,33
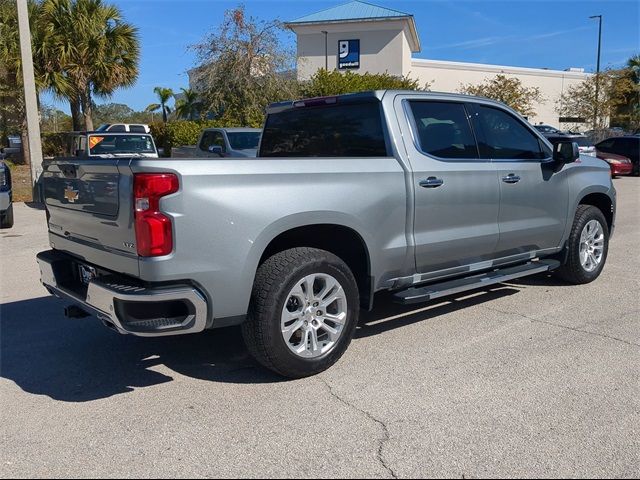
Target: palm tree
93,46
48,75
188,106
164,95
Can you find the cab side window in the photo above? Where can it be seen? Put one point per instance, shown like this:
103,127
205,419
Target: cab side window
205,143
443,129
218,140
505,137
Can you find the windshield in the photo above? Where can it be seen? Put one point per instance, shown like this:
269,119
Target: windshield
582,141
120,144
103,128
243,140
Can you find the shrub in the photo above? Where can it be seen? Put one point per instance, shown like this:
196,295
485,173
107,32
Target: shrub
55,144
324,83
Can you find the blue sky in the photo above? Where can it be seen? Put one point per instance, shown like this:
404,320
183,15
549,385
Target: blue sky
527,33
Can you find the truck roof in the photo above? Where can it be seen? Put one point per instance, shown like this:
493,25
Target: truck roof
369,95
234,129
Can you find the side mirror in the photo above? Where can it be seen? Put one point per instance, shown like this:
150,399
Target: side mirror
566,152
217,149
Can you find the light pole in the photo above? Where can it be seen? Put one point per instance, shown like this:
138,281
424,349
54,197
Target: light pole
30,99
326,50
595,110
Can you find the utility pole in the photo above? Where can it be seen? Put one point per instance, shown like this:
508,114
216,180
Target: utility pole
595,111
30,97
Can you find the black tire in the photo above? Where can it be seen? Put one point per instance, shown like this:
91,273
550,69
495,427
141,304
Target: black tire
6,219
274,280
572,271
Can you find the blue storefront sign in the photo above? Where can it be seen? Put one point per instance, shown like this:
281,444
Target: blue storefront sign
348,54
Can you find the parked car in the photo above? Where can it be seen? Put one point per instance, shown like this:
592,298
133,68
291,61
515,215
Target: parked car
6,205
585,145
349,195
619,165
223,142
109,144
13,147
547,129
124,128
627,146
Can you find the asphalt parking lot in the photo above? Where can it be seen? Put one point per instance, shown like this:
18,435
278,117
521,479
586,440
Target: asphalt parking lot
535,378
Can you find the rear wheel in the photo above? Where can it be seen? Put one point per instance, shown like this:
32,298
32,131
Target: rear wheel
587,246
6,219
303,314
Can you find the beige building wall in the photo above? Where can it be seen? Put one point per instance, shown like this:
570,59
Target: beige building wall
451,76
383,46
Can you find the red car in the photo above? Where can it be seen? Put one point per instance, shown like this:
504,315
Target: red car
619,165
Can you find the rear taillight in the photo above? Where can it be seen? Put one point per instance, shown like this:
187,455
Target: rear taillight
154,235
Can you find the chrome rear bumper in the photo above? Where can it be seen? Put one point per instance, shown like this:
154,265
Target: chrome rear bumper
127,307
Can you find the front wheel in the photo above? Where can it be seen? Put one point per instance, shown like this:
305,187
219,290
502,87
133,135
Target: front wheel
303,313
587,246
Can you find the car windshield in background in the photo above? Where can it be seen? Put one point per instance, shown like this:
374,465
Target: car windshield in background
120,144
325,131
244,140
582,141
545,129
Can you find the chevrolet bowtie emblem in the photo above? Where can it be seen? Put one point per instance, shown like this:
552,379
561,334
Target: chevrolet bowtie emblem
70,194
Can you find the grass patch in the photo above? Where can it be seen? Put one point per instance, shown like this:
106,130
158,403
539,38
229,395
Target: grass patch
20,182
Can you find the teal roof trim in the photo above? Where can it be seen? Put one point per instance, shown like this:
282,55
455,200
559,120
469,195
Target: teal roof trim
355,10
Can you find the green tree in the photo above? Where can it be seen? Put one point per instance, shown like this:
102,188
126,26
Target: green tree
93,47
188,106
243,68
164,95
324,83
509,91
53,120
112,113
47,74
617,101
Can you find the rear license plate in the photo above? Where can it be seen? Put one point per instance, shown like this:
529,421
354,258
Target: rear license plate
87,273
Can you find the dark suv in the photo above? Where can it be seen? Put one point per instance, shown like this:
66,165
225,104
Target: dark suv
628,146
6,205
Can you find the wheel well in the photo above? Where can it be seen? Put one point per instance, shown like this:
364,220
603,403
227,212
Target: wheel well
340,240
602,202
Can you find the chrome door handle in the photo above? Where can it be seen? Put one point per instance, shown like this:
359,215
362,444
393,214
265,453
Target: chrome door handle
431,182
511,178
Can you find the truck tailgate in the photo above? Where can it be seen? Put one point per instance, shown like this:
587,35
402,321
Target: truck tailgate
90,210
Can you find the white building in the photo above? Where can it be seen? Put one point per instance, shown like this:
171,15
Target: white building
367,38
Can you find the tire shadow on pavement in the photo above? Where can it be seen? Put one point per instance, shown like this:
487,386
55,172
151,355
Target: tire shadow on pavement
79,360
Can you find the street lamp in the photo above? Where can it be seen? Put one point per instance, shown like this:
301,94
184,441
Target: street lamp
595,110
326,51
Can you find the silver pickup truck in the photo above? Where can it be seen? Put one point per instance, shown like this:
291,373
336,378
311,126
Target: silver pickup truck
420,194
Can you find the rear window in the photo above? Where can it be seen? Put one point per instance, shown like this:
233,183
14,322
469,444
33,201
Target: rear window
119,144
243,140
352,130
